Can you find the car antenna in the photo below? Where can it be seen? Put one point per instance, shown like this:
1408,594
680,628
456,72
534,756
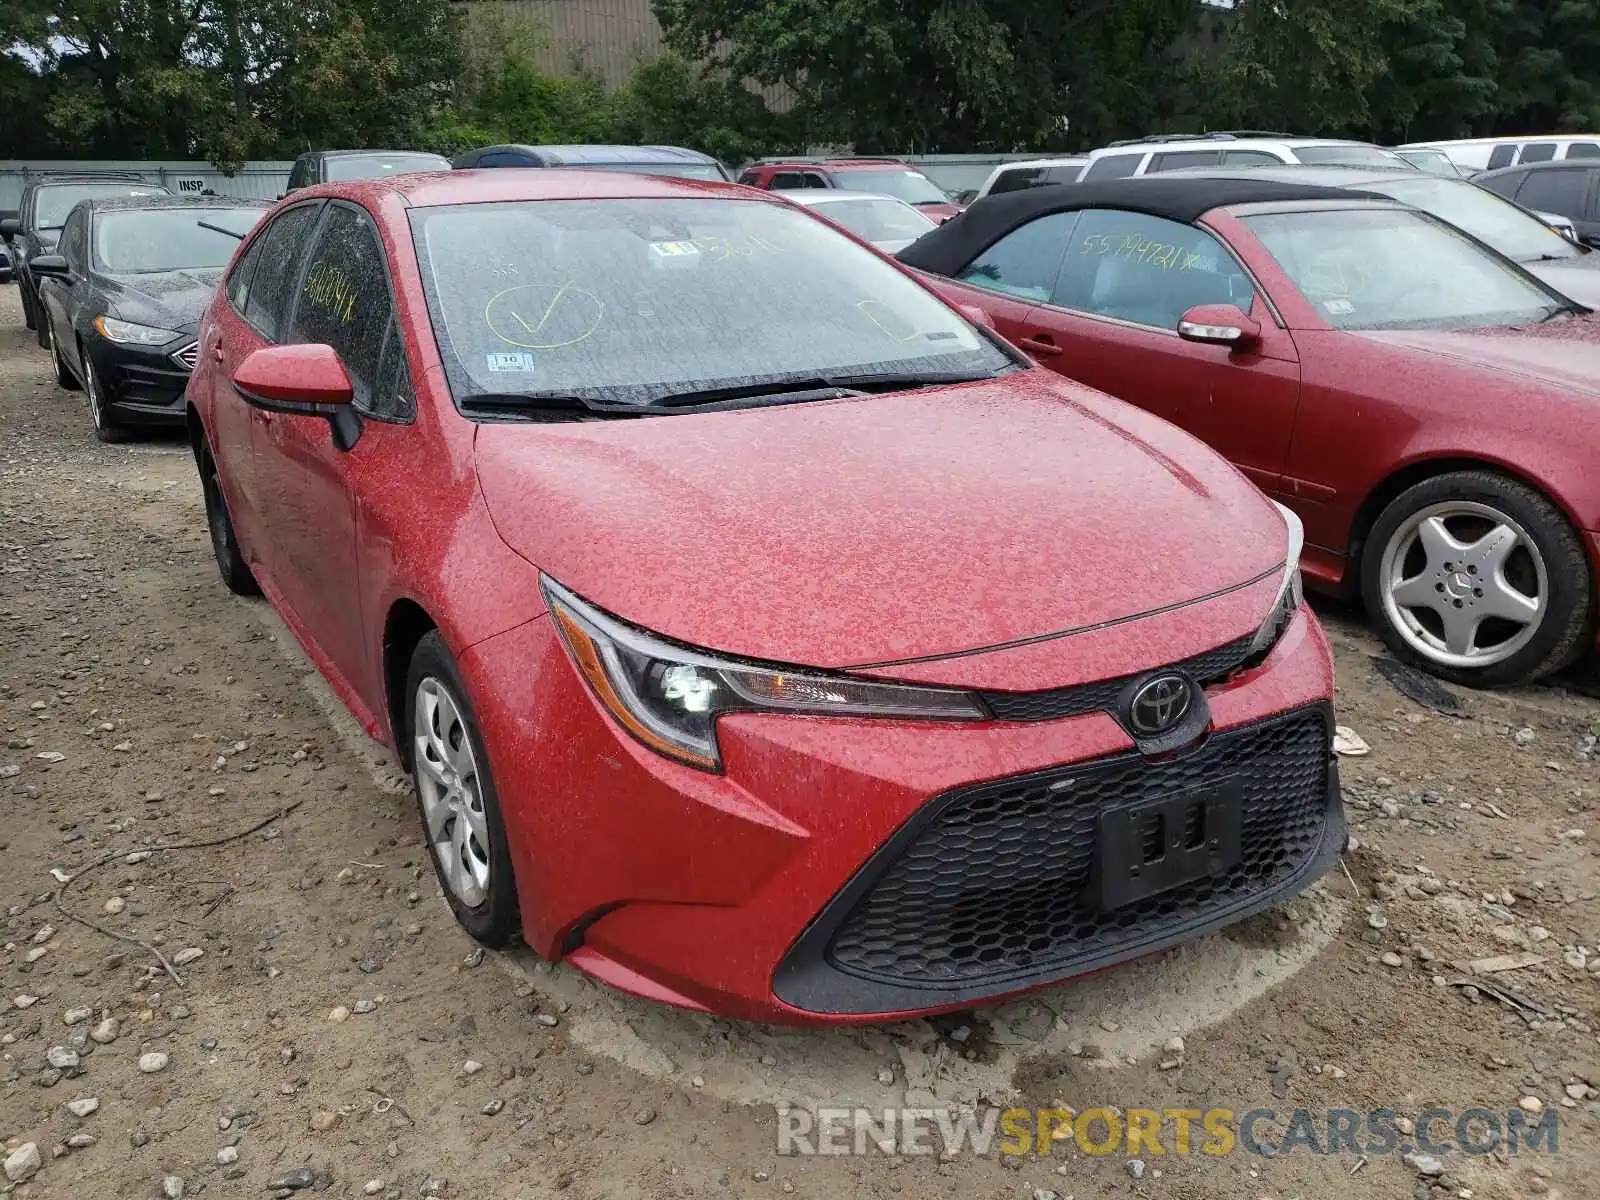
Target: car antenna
238,237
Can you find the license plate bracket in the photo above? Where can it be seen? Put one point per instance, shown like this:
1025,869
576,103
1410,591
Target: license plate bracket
1152,846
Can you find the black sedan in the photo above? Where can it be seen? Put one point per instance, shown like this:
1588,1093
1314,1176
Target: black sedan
121,300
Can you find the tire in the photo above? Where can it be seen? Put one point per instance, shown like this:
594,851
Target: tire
106,427
64,377
236,574
459,793
1437,562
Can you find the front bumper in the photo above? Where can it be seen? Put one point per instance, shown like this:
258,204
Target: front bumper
142,385
770,892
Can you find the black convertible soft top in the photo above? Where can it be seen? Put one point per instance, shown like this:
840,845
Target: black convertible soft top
953,245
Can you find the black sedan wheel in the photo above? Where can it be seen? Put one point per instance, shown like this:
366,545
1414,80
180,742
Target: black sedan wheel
106,427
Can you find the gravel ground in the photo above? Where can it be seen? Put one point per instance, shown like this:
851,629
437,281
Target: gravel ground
333,1031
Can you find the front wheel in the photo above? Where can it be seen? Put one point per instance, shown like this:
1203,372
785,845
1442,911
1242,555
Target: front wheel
456,797
1478,579
231,564
106,427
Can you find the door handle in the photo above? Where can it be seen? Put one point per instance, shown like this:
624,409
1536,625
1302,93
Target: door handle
1040,343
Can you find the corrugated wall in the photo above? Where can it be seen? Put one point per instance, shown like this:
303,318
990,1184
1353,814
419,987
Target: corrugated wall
253,181
606,38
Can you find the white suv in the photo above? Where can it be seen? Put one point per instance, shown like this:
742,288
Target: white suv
1031,172
1489,154
1238,148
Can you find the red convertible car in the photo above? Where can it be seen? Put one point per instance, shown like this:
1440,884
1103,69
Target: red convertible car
1427,406
765,635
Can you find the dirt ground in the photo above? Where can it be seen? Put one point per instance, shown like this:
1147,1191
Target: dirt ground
331,1016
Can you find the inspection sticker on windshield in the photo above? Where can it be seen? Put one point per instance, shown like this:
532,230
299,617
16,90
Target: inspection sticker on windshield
1339,308
510,362
674,249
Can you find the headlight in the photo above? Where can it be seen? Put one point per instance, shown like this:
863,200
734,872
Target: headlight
126,333
1289,591
669,696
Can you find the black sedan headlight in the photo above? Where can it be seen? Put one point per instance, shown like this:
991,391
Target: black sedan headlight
670,696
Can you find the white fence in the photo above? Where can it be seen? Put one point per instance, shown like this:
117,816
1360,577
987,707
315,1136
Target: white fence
253,181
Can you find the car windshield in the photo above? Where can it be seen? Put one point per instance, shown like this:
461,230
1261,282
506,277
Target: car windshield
626,301
376,166
900,182
1352,155
677,170
1398,269
52,202
1435,162
876,220
1509,229
169,239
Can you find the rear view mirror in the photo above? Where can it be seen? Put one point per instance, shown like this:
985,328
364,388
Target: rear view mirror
307,381
1220,325
52,266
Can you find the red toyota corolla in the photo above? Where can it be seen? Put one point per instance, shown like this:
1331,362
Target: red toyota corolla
765,636
1424,404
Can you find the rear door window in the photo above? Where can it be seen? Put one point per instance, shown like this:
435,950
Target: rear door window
1583,150
1501,156
1113,166
1176,160
1026,261
282,255
787,181
1538,152
1146,270
1016,179
1249,158
1562,190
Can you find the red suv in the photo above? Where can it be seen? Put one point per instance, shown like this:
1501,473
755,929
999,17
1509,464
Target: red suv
879,176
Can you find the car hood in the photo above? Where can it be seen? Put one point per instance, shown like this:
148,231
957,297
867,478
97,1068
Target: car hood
868,531
1563,354
166,299
1575,278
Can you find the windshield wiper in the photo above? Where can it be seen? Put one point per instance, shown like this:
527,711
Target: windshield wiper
558,405
812,387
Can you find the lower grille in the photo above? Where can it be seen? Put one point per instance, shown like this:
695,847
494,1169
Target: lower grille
994,886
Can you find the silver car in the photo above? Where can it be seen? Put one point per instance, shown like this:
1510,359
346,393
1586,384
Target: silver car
889,224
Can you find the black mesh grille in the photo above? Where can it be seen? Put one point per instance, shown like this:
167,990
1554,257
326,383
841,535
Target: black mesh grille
1101,696
996,885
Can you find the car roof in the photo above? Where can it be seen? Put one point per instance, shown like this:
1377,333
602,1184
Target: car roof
577,155
1502,140
1242,140
368,153
1558,164
140,203
492,185
1332,176
1174,197
836,164
79,177
814,196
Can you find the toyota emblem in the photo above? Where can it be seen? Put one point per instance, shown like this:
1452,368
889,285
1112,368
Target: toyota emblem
1158,704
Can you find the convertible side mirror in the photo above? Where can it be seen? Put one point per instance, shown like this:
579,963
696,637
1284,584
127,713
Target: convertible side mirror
306,381
976,315
52,266
1220,325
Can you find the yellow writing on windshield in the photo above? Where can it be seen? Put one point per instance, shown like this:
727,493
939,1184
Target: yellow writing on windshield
331,290
1139,249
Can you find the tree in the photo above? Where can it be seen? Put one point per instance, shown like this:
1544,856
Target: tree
929,75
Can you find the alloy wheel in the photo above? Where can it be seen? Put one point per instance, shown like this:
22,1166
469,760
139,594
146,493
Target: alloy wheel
1464,584
452,799
91,389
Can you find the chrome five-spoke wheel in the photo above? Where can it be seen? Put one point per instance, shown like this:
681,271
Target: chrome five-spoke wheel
448,785
1464,584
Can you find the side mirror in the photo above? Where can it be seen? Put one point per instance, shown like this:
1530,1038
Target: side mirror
10,227
976,315
1220,325
307,381
51,266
